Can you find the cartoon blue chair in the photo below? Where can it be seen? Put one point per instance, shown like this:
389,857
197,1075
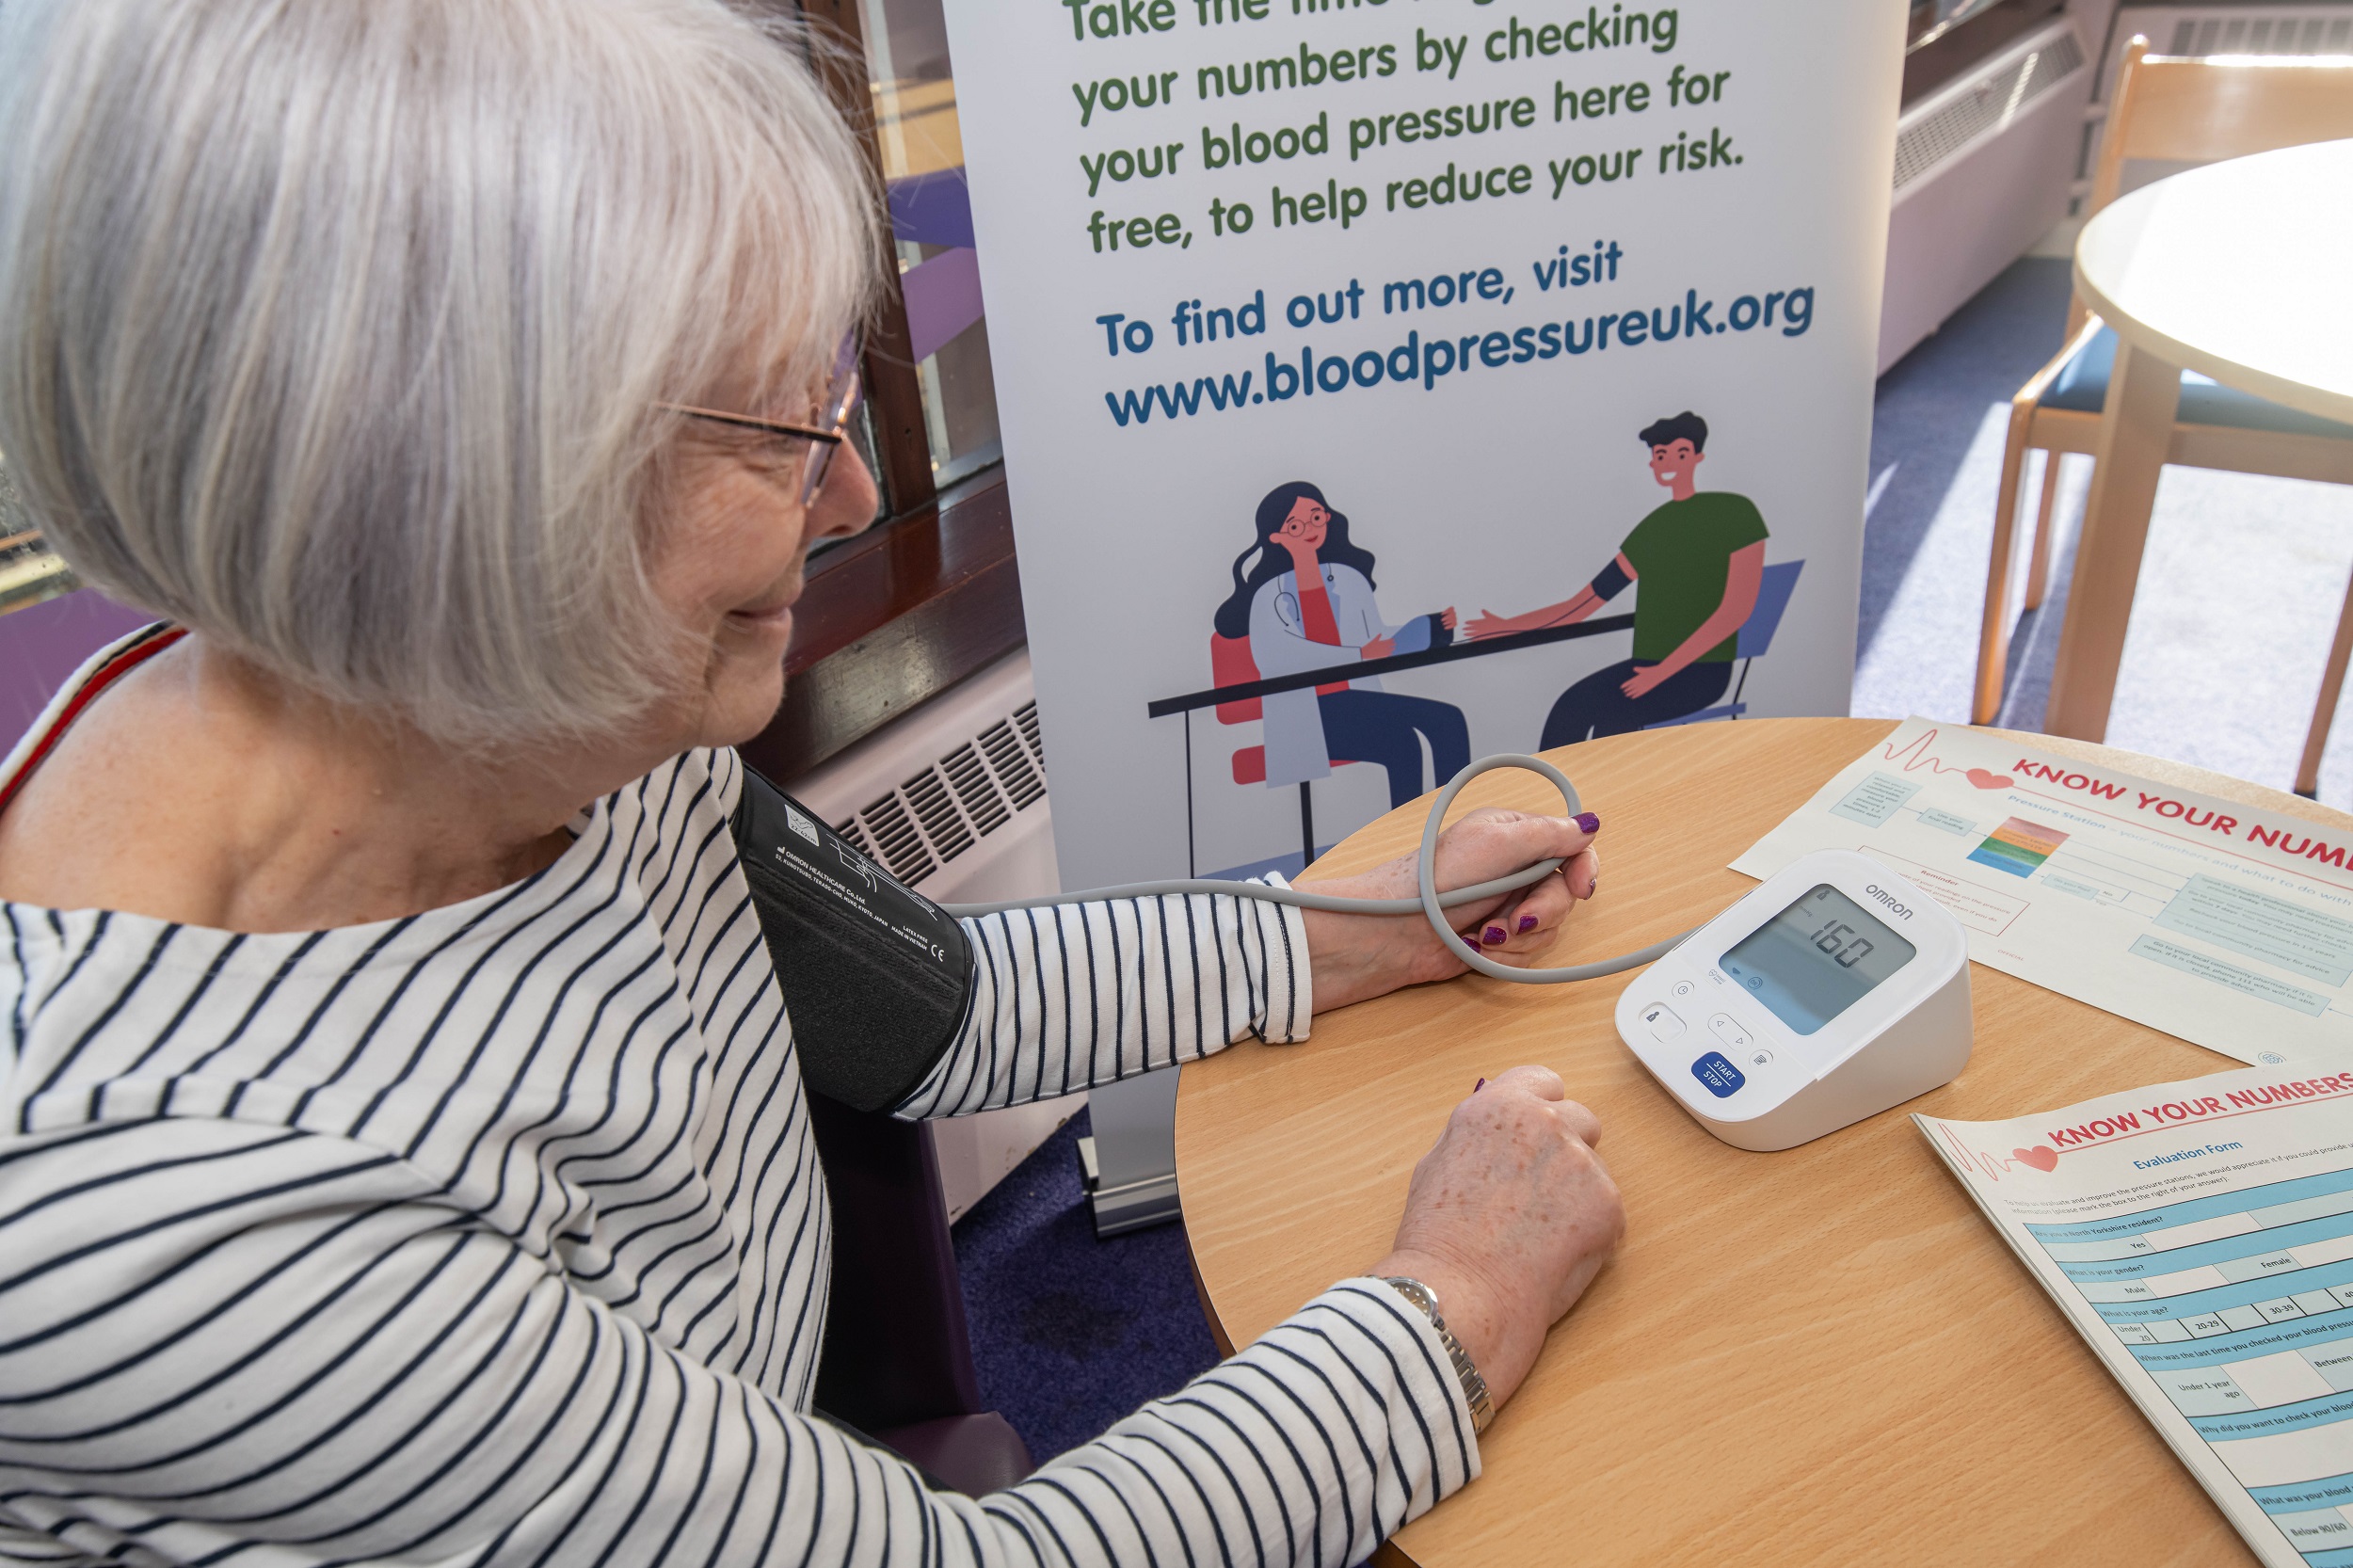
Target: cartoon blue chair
1756,636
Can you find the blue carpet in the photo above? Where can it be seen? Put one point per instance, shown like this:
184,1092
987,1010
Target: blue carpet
1070,1334
1937,426
2239,590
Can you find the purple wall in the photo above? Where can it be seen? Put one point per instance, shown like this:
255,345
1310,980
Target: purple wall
42,646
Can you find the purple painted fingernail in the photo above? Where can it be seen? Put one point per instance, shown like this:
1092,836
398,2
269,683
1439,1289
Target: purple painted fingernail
1495,937
1527,922
1481,1084
1588,822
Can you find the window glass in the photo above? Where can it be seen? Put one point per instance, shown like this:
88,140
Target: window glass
931,220
1929,20
29,570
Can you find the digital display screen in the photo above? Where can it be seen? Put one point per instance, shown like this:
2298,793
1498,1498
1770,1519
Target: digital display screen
1817,958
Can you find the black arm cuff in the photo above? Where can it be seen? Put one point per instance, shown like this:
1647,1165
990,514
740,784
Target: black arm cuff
1612,581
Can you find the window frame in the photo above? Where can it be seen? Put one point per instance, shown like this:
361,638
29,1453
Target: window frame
932,593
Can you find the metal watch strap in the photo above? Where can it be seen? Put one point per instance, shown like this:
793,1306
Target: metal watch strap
1482,1409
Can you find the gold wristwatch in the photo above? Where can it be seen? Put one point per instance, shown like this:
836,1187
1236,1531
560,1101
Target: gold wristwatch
1474,1387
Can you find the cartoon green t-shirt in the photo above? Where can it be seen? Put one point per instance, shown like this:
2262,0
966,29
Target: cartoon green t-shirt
1682,557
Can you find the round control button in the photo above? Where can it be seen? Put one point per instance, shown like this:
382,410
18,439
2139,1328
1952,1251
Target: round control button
1683,988
1760,1058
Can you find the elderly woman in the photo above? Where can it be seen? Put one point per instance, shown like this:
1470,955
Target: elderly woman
403,1154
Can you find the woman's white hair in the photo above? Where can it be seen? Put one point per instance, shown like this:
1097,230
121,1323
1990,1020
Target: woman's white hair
334,328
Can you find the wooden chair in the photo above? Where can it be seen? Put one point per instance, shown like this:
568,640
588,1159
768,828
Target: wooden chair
897,1364
1230,664
2176,110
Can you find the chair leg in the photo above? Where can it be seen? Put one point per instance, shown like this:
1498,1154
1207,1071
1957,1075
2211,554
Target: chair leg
1307,826
2038,562
2325,712
1994,634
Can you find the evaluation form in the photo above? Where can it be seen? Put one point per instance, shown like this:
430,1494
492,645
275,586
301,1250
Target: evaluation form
2228,926
2200,1236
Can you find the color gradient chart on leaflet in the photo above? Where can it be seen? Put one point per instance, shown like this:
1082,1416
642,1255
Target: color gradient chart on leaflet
2018,847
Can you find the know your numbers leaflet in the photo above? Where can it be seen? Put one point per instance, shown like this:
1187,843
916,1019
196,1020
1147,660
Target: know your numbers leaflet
2200,1236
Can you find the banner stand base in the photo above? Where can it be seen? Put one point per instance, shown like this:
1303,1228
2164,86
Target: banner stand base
1130,1206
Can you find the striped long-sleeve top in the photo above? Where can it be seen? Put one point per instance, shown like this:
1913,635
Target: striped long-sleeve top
496,1236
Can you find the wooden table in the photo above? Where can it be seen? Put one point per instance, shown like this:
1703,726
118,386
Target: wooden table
1821,1355
2238,271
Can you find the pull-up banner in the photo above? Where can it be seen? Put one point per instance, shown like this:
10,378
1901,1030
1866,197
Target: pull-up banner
1386,383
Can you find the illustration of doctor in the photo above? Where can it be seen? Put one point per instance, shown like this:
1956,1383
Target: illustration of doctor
1304,597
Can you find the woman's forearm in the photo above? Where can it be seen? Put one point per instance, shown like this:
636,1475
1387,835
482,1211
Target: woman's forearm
435,1388
1076,995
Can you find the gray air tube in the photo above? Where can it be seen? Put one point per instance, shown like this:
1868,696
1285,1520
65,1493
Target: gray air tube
1432,902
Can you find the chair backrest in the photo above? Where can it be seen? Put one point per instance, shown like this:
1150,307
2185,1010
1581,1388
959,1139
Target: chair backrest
1772,598
2180,109
1230,664
897,1347
2183,109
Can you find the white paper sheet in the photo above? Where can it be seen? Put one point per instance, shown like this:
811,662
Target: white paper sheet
2200,1236
2230,927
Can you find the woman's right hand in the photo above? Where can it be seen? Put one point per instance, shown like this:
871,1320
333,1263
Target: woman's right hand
1508,1220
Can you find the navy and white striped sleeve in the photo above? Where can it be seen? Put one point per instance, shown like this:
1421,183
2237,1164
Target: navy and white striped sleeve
232,1343
1076,995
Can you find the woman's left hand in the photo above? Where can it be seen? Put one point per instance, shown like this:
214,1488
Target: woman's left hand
1355,957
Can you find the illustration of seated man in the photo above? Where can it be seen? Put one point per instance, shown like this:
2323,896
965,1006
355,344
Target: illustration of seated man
1304,600
1699,558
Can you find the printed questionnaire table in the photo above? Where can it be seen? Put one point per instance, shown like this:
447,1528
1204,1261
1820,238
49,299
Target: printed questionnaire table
2240,1308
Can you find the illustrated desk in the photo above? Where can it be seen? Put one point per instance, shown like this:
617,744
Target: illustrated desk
1821,1355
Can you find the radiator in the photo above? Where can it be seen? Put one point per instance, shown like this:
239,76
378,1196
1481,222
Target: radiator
1983,169
952,798
2241,29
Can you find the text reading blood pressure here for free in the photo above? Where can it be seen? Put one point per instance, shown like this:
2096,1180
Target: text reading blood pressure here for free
1423,361
1258,93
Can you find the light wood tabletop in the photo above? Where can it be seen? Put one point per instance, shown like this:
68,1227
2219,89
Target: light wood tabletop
2236,270
1820,1355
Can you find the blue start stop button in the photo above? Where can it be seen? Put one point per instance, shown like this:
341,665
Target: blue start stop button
1722,1079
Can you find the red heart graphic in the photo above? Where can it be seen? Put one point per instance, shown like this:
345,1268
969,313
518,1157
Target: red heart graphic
2040,1156
1985,781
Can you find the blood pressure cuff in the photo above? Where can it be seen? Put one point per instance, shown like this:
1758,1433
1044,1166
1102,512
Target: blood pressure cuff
877,977
1611,583
1422,631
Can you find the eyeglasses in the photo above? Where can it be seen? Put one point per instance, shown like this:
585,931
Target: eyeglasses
844,387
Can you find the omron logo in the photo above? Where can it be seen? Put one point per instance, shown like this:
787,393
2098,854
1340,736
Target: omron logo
1889,899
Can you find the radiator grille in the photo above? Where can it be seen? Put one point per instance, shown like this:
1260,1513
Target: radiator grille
1011,761
901,846
928,793
982,801
2235,32
941,812
1026,716
1992,101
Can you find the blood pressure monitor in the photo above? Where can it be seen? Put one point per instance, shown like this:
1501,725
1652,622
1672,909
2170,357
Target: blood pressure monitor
1833,991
